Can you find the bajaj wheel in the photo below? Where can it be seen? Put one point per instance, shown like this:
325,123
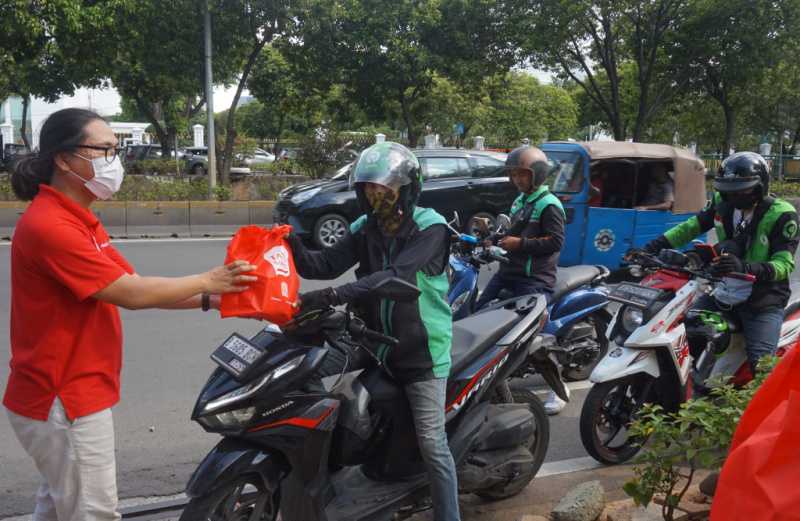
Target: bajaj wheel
586,365
244,499
607,413
537,445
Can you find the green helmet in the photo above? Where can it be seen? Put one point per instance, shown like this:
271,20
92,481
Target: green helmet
391,165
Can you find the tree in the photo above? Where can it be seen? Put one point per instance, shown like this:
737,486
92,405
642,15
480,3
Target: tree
386,53
579,39
728,46
42,49
158,64
521,107
255,23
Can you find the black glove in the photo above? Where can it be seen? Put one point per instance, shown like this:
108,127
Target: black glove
656,245
318,299
727,263
631,254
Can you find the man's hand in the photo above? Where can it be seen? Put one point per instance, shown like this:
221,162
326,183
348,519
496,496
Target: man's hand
318,299
510,243
631,254
727,263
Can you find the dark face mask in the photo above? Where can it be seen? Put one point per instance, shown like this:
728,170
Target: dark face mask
742,201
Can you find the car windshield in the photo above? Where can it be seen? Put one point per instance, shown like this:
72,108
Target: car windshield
568,177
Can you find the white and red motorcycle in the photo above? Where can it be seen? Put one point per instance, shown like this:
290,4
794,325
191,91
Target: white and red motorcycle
649,358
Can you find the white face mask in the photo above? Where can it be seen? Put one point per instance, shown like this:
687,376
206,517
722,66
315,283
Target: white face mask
107,178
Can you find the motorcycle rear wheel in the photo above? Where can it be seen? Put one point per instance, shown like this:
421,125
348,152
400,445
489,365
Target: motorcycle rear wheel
537,445
241,499
608,409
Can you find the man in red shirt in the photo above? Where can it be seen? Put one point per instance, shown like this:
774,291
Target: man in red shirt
66,337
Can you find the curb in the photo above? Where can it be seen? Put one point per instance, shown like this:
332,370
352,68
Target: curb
135,219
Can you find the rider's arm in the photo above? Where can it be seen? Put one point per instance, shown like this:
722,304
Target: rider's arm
552,234
424,249
326,264
783,245
681,234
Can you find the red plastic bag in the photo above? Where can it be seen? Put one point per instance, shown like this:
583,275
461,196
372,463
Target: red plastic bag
272,296
761,477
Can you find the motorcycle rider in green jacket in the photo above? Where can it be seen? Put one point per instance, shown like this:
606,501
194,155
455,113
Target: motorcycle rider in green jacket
396,238
757,234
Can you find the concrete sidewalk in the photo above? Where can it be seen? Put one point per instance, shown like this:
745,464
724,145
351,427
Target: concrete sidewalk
538,498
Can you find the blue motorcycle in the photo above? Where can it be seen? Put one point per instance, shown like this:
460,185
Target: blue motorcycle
577,316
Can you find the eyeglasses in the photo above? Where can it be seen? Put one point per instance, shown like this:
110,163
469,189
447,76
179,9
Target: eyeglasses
111,153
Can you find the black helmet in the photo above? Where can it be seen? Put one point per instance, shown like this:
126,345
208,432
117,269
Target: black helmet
539,169
742,171
391,165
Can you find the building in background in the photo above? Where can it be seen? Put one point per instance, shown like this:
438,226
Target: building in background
11,120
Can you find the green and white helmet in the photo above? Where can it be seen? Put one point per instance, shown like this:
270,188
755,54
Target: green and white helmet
391,165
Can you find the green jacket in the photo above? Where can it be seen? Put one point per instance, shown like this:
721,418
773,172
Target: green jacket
769,243
538,219
417,253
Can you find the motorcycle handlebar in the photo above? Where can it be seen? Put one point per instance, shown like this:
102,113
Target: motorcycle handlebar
358,329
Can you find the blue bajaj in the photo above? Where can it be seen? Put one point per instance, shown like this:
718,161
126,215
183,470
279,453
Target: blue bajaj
605,186
576,330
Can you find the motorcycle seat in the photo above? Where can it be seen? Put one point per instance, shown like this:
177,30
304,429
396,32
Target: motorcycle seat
792,307
476,333
569,278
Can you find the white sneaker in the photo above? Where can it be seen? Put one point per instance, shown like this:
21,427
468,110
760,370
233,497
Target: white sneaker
554,404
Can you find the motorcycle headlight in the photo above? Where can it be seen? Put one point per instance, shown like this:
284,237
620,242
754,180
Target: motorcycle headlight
304,196
245,391
459,301
229,419
632,318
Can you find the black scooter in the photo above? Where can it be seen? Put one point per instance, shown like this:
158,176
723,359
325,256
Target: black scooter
350,452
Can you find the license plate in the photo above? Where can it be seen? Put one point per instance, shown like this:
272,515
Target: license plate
635,294
238,356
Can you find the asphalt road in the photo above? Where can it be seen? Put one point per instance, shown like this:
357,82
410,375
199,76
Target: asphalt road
166,363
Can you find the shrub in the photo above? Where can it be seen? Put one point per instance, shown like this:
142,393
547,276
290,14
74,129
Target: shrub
6,193
222,193
147,188
696,437
155,167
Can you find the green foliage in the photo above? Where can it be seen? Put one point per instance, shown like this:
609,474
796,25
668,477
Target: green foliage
386,53
6,193
696,437
222,193
322,154
147,188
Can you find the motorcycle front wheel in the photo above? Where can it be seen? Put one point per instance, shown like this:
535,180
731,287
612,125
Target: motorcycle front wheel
607,413
244,499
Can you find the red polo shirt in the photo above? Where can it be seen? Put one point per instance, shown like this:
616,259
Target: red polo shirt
64,342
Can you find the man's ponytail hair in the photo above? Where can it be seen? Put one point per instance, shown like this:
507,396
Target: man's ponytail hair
63,131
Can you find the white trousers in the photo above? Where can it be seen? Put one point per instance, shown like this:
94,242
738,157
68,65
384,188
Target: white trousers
77,464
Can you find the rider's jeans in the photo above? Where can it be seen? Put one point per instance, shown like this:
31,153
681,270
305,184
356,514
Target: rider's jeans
77,464
519,286
761,328
427,400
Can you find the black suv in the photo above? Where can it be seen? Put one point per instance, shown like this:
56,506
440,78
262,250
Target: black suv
471,182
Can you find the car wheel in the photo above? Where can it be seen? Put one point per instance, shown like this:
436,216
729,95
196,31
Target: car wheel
330,229
198,170
472,228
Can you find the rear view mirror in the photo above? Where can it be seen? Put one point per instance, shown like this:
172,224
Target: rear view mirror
456,222
503,222
396,289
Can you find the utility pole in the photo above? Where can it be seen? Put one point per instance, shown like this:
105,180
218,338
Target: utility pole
212,152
